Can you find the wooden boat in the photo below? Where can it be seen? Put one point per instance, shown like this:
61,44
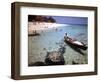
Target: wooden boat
72,42
34,34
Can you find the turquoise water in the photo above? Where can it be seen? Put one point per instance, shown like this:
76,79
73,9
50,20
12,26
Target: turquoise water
52,39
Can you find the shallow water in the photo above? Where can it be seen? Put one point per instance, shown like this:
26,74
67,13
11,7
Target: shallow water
52,40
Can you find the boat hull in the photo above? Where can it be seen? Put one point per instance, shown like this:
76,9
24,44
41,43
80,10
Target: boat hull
37,34
84,47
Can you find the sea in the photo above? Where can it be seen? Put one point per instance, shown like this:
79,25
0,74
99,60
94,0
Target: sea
53,39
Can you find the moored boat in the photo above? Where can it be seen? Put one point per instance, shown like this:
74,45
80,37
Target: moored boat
34,34
75,43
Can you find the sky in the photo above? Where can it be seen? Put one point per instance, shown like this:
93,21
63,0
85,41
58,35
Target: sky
67,19
71,20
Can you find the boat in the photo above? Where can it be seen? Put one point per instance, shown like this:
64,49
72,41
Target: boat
75,43
34,34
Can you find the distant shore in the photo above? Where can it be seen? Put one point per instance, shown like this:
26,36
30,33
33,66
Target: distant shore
39,26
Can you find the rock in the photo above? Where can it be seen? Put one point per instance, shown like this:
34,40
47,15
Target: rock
37,64
54,58
73,63
62,50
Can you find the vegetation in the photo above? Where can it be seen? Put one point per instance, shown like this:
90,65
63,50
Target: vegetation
35,18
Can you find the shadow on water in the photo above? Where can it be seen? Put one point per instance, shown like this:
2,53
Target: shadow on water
76,49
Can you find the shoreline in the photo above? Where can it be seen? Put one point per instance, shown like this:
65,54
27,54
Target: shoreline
35,26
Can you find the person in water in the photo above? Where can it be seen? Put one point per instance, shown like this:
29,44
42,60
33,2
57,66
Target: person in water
66,37
72,40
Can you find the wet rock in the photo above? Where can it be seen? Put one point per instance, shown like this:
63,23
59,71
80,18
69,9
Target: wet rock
37,64
54,58
62,50
73,62
44,49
